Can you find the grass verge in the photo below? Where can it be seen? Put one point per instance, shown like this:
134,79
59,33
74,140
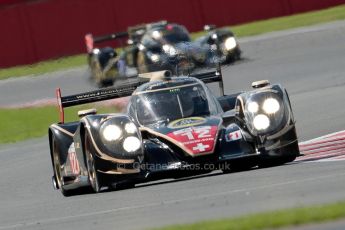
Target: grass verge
44,67
272,220
259,27
287,22
25,123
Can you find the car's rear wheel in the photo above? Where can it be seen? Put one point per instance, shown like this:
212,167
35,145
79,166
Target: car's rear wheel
94,177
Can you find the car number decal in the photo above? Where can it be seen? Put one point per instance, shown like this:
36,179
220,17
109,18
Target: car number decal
199,139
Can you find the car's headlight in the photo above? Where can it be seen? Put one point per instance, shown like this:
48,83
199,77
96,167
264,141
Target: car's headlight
156,34
253,107
96,51
271,105
261,122
230,43
155,57
169,49
130,128
112,133
131,144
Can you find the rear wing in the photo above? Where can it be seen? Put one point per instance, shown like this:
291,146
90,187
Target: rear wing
122,91
92,96
90,40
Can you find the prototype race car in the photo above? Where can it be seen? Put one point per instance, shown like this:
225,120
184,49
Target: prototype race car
172,125
159,46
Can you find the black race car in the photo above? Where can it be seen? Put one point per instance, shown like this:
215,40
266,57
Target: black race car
159,46
173,126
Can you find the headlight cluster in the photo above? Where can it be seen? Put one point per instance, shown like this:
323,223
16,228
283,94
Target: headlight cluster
230,43
115,135
270,107
265,115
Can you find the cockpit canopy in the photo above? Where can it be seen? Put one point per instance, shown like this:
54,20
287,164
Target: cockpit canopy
166,101
166,34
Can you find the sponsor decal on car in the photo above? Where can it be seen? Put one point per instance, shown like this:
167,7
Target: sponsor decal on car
186,122
73,160
199,139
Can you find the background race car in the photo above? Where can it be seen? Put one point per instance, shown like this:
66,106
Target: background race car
159,46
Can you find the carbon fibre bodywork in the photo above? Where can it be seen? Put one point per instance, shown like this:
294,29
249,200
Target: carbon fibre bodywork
172,125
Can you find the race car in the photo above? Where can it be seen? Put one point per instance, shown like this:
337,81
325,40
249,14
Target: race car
172,125
159,46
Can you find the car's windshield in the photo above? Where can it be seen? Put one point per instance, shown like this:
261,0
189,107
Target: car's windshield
170,34
175,37
172,103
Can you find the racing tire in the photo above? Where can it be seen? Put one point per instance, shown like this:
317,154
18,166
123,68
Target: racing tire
58,170
93,175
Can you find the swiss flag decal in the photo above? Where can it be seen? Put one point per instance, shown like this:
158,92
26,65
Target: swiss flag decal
197,140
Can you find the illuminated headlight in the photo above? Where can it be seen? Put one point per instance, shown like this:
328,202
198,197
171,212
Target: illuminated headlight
261,122
130,128
156,34
169,49
96,51
271,106
131,144
253,107
112,133
230,43
155,57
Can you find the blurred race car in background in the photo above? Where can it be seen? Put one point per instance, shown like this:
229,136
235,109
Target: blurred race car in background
159,46
173,125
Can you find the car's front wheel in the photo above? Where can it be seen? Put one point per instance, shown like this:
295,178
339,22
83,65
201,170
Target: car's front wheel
94,177
58,170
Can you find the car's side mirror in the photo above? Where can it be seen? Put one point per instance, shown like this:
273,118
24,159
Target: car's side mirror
209,27
83,113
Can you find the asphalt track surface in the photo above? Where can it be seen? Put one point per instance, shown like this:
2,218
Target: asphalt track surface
309,62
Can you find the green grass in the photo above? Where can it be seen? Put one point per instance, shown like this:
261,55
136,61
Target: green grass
25,123
44,67
287,22
259,27
271,220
